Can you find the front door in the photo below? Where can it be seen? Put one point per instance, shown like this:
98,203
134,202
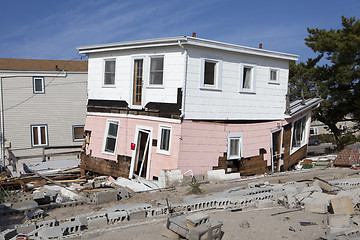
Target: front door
138,80
276,139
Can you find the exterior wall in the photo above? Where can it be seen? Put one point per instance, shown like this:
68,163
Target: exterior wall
267,102
126,136
62,106
174,63
204,142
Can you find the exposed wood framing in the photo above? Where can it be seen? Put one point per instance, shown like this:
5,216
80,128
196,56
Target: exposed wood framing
121,168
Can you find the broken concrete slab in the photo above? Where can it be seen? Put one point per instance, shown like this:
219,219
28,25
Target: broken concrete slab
342,205
339,220
170,178
132,185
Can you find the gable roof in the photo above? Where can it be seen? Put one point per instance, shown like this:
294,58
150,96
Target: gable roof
12,64
176,41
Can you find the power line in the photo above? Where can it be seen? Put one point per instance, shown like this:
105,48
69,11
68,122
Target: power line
27,99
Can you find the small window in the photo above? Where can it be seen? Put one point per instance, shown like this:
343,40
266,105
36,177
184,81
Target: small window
247,78
78,133
38,85
274,76
164,139
156,70
109,76
209,74
299,132
39,135
234,146
313,131
111,136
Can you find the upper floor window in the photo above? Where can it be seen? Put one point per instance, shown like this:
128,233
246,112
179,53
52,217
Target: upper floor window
211,74
247,79
314,131
156,70
109,75
38,85
274,76
39,135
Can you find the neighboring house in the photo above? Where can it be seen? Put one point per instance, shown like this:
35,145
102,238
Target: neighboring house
318,128
191,104
43,105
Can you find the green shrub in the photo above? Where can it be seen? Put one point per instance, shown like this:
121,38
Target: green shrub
194,187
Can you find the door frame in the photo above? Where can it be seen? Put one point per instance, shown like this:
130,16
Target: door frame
280,146
144,81
140,128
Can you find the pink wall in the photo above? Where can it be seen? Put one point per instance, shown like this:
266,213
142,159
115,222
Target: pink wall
126,136
204,142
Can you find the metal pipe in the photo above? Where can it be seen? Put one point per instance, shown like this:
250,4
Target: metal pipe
185,80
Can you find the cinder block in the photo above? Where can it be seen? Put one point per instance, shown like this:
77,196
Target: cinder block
339,220
104,197
116,217
34,214
208,231
71,227
122,193
50,232
196,220
8,234
99,220
136,214
170,178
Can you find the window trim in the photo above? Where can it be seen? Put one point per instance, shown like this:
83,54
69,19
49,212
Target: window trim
162,151
73,133
253,78
152,85
42,84
46,137
104,73
306,133
217,74
277,81
235,136
108,121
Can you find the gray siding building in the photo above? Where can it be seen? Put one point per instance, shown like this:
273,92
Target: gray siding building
43,106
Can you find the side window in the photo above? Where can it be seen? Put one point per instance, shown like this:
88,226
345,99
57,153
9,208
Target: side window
299,133
156,70
109,73
38,85
78,133
111,133
274,76
164,139
234,146
247,78
313,131
39,135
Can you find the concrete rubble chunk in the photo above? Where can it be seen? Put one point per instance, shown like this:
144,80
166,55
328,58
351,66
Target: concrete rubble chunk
8,234
170,178
196,219
339,220
104,196
99,220
342,205
50,232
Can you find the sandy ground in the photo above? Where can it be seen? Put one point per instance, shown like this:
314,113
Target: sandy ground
246,224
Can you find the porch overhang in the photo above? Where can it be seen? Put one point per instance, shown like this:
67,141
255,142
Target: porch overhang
300,106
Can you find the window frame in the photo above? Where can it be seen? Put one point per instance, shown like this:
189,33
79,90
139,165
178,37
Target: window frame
155,85
158,148
42,85
232,136
39,135
305,131
73,133
104,85
106,134
277,80
217,74
253,78
316,131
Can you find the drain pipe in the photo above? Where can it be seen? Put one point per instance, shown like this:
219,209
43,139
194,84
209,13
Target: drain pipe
185,80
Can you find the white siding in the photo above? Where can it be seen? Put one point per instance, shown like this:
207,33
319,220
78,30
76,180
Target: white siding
61,106
267,103
173,75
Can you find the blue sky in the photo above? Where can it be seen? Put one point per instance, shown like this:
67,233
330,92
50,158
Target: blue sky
44,29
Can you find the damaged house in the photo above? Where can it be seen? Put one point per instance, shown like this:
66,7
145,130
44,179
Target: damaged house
191,104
